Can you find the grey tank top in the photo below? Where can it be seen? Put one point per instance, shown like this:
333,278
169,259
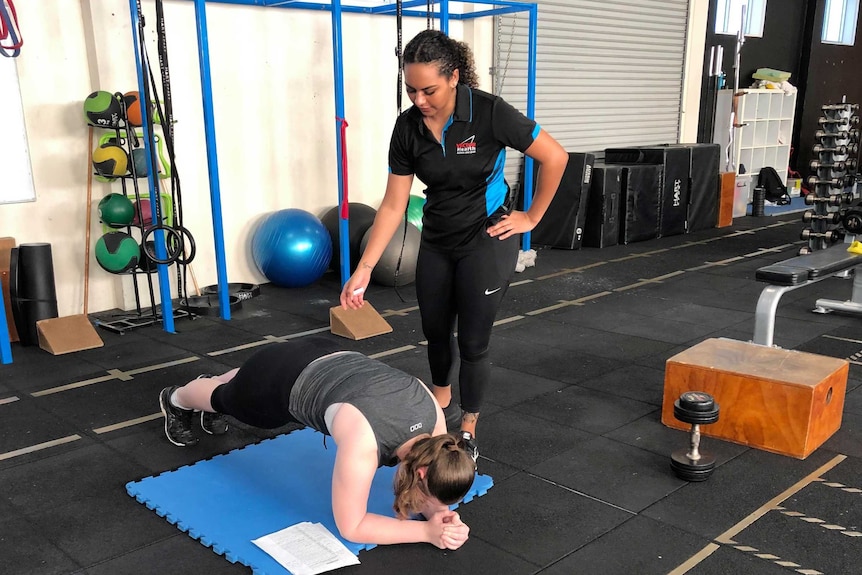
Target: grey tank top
396,405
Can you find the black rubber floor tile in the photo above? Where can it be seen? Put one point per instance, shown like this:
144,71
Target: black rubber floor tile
831,346
262,321
663,329
853,400
704,314
147,446
651,434
640,545
538,521
203,335
727,559
178,554
805,533
614,472
509,387
734,491
106,525
522,441
67,478
425,559
27,423
645,384
547,362
25,551
848,439
599,342
706,280
31,367
134,354
589,410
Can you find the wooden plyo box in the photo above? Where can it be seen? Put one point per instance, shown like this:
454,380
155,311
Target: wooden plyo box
783,401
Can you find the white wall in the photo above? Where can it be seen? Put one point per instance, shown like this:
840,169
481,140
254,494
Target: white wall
275,121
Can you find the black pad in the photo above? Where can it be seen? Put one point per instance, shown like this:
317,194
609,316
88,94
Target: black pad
816,265
704,185
601,227
563,223
639,203
674,190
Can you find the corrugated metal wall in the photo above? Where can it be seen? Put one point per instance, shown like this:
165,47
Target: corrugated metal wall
609,72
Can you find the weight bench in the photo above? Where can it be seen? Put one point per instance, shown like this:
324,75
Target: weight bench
801,271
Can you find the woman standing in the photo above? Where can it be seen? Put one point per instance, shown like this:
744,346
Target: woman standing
454,140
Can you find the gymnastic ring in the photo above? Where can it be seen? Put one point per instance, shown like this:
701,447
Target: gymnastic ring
186,240
172,233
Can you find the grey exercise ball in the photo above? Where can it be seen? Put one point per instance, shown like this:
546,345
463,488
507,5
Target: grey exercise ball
384,272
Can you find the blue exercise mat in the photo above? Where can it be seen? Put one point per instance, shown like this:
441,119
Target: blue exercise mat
227,501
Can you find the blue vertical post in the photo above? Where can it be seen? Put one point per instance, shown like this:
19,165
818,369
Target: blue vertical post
338,71
444,16
531,113
5,346
212,157
155,198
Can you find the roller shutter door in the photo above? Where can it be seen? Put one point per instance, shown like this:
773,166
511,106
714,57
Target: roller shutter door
609,72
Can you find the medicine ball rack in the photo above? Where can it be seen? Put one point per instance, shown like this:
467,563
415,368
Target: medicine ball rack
125,136
832,183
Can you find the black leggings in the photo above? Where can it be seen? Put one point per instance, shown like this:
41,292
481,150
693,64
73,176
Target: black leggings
259,393
468,284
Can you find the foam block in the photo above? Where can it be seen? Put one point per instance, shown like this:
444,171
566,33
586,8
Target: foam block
228,500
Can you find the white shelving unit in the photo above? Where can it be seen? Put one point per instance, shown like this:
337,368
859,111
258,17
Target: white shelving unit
763,139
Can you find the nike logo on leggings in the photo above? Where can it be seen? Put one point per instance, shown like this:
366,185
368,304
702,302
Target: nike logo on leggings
490,291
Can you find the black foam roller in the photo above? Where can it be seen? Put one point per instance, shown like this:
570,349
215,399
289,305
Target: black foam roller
32,289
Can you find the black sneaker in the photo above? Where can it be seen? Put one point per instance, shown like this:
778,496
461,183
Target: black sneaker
470,444
178,422
212,423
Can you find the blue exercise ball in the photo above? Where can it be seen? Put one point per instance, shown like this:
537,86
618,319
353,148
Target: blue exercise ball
291,248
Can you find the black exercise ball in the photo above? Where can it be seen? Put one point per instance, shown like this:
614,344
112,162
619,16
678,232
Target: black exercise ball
360,217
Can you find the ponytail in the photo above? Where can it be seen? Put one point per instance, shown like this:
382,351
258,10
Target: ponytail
449,472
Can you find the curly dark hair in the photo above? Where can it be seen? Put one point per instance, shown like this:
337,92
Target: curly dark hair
433,46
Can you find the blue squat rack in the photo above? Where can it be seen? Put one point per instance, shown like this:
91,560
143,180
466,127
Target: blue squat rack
409,8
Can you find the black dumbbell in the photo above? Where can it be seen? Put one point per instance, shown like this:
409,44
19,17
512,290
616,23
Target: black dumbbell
829,235
697,408
818,149
832,200
840,107
809,216
851,219
831,182
835,166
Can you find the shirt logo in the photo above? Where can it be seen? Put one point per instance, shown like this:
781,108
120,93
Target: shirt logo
468,146
415,427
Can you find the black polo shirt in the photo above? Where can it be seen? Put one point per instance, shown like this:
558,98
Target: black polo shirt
464,172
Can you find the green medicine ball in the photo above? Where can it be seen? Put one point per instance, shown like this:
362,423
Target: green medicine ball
116,210
117,252
110,160
102,109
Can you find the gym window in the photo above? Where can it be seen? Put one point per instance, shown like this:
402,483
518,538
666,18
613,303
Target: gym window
728,16
839,22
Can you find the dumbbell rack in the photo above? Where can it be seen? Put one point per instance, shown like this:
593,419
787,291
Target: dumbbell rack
833,176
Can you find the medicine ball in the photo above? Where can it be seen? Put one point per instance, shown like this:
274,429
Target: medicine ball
116,210
117,252
397,263
110,160
102,109
415,210
132,101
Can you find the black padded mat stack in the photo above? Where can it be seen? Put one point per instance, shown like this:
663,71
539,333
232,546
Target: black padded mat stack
674,183
640,203
563,223
601,227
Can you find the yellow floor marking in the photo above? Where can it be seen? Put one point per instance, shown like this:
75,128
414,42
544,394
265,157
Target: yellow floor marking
128,423
40,446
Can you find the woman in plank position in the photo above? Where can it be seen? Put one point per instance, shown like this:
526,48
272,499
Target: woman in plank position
377,416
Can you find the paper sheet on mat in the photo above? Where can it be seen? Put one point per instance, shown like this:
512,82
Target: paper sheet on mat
307,549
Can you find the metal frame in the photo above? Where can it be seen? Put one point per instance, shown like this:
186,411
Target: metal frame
337,9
